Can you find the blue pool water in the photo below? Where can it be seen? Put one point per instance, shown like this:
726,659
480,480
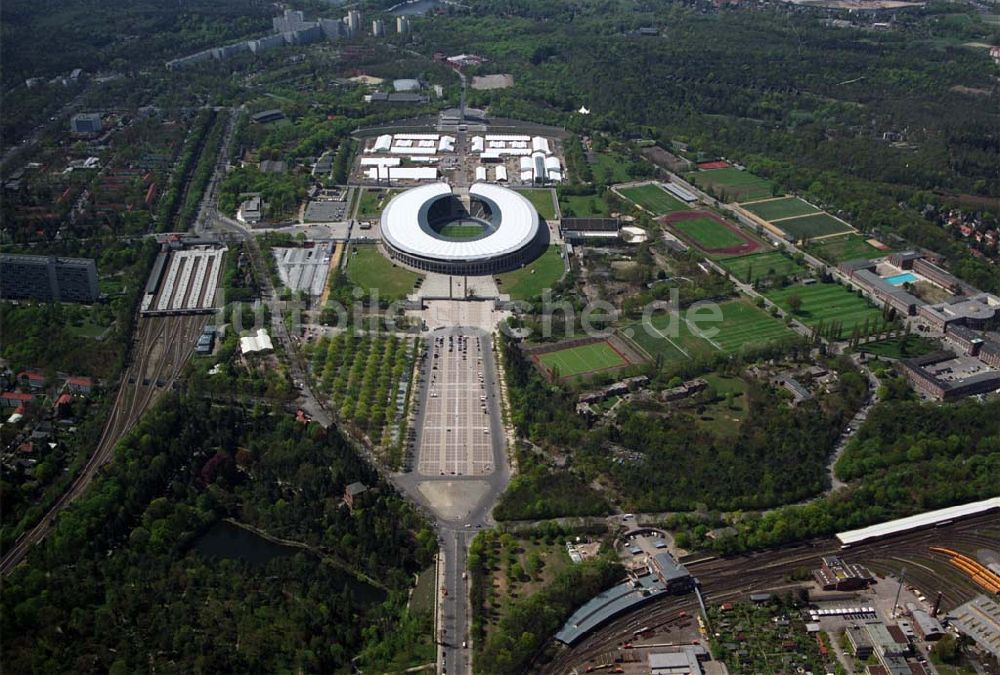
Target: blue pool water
900,279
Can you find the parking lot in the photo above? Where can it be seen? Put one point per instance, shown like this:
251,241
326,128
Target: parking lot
304,269
455,437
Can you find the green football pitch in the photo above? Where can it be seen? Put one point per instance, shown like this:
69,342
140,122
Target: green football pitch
653,198
816,225
738,324
760,266
587,358
825,303
733,184
785,207
707,233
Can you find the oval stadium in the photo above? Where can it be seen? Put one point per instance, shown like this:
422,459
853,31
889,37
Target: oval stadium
491,229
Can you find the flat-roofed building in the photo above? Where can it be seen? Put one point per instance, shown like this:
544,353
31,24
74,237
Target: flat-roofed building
980,620
48,278
980,312
674,575
836,575
86,123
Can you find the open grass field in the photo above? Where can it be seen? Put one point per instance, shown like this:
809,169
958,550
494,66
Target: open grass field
742,325
827,303
733,185
461,231
710,233
589,358
762,266
583,206
368,268
721,417
609,168
542,201
784,207
707,233
817,225
372,202
848,247
533,278
653,198
902,347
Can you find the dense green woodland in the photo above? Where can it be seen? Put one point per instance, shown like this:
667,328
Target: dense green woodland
117,586
798,101
683,465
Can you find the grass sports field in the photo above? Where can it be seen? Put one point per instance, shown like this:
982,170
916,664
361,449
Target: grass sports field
368,268
827,303
849,247
710,233
583,359
760,266
733,185
785,207
818,225
533,278
742,325
542,201
461,231
653,198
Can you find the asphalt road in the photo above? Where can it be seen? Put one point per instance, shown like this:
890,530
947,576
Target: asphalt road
458,527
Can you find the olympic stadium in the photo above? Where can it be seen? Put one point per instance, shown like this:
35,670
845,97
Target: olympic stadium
491,229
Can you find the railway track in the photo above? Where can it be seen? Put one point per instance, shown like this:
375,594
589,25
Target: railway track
728,579
163,345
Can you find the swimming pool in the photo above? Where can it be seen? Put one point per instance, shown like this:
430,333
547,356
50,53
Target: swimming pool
900,279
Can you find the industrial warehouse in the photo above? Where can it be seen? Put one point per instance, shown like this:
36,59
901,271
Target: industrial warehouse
486,230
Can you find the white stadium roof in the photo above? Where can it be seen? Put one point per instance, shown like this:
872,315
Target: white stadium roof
917,521
405,228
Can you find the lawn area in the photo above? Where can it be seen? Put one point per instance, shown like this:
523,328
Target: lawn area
722,417
588,358
707,233
653,198
461,230
372,202
817,225
368,268
849,247
761,266
422,598
609,168
533,278
901,348
742,325
542,200
733,185
785,207
583,206
825,303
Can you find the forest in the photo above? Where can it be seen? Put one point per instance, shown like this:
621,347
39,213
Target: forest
813,124
120,585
